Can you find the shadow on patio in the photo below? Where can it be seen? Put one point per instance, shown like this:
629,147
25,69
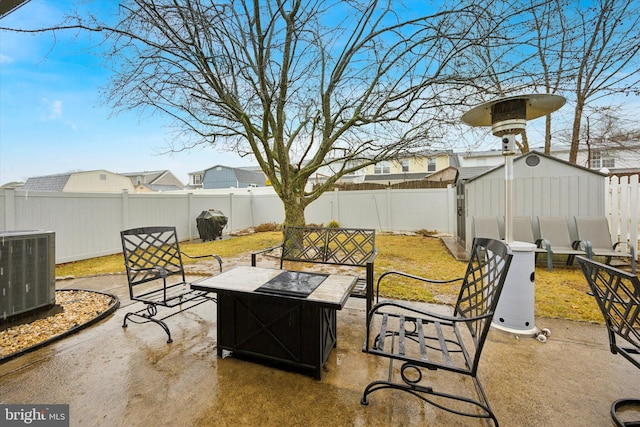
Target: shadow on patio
110,376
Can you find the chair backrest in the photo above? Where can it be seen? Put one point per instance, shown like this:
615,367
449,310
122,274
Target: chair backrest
523,230
595,230
486,226
487,270
344,246
556,230
147,247
618,295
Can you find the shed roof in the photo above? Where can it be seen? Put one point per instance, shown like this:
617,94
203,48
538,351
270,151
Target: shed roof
523,157
47,182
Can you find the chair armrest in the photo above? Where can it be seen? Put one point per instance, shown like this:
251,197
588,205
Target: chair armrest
631,248
584,245
162,273
205,256
543,244
411,276
444,318
632,251
373,256
262,251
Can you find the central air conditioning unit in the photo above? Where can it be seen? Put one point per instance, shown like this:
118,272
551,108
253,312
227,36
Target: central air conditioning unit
27,271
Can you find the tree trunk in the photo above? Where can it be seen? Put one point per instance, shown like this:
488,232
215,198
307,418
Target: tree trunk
575,134
547,135
294,211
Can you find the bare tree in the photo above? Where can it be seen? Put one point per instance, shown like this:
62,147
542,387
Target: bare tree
606,52
586,51
550,41
301,85
608,129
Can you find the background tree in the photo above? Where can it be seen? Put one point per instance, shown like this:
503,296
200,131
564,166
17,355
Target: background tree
300,85
584,51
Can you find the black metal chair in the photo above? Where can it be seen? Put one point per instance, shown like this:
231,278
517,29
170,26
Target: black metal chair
618,295
423,340
156,275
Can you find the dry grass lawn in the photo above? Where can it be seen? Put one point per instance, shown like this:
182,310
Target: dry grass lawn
559,294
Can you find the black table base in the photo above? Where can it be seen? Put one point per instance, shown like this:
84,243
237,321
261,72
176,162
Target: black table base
292,331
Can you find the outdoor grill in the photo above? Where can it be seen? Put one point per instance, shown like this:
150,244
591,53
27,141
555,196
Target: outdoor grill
210,224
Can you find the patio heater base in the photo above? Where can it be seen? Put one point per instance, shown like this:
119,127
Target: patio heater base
515,311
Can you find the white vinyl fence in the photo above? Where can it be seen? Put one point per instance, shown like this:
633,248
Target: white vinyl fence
87,225
622,208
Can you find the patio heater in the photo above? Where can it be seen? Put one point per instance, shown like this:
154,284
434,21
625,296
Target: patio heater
508,118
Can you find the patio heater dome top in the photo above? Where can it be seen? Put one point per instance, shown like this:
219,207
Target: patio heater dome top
509,115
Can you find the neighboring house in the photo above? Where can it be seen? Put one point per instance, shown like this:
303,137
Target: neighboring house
412,168
614,158
147,181
195,180
448,174
617,160
97,181
227,177
13,185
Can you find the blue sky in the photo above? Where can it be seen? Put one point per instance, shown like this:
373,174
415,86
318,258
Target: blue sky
53,118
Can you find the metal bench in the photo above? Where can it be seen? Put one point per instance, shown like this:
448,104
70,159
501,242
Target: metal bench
618,295
156,275
353,247
425,341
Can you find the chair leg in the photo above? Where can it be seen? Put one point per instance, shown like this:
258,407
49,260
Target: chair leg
619,404
422,393
151,311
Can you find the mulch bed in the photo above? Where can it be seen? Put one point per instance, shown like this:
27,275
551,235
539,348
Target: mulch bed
74,310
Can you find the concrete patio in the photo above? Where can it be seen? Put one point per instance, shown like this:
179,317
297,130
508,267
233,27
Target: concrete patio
112,376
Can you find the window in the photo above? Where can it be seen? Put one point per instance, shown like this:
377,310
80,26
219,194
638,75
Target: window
405,165
103,177
599,159
431,165
382,167
197,179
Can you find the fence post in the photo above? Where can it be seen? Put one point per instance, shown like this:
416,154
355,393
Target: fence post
9,209
635,193
389,208
125,209
335,207
230,223
190,214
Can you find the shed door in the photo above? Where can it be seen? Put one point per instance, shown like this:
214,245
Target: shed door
460,209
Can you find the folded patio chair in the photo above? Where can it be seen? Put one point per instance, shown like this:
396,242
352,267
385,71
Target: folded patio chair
555,239
486,226
523,232
424,341
595,237
618,296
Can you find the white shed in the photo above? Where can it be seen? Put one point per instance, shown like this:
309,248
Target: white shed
542,186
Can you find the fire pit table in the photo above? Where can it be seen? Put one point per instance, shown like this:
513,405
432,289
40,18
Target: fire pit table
278,316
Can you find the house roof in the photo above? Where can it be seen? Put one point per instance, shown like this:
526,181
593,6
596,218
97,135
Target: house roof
150,176
466,173
47,182
243,175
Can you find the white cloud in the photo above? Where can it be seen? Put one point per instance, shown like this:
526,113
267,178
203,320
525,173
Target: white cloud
4,59
54,108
